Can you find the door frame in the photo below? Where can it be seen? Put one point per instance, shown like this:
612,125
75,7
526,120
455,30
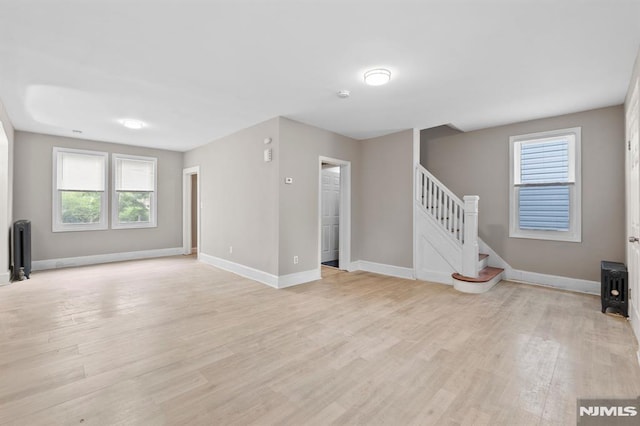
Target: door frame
632,284
5,208
187,244
344,245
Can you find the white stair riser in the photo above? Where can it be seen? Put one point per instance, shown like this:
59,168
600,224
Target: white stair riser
483,263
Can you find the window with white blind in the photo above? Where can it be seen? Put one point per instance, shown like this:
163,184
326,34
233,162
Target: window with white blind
134,202
79,190
545,186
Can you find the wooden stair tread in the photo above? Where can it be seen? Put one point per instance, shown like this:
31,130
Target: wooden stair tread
482,256
487,274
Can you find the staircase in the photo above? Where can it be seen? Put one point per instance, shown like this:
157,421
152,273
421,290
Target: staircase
448,243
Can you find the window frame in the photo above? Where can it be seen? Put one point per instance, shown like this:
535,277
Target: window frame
115,203
56,218
574,234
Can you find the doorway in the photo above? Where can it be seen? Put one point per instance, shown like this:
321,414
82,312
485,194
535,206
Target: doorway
330,216
191,229
334,213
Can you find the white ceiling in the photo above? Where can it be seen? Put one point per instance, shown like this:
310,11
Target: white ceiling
196,70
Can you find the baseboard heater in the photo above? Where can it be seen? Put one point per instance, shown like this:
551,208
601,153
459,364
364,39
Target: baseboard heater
21,250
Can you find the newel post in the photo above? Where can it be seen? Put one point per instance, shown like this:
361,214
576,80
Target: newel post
470,248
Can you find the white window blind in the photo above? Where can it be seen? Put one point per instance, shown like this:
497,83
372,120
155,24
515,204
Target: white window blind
134,191
545,186
79,197
80,171
134,175
543,199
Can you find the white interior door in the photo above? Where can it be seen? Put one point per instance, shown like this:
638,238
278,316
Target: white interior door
633,197
330,214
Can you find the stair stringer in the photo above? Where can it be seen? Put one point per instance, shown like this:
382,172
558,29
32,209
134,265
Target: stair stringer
438,254
494,259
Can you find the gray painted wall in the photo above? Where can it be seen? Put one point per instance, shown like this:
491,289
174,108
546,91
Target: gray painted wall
33,193
434,133
477,163
239,194
301,146
248,206
386,200
7,186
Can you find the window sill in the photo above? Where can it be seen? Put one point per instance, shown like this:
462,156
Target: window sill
570,237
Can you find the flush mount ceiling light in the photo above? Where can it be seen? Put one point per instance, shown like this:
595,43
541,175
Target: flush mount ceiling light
377,77
131,123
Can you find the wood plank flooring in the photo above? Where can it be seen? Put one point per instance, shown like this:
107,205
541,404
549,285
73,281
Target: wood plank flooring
172,342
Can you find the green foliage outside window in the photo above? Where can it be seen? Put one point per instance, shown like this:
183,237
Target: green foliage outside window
85,207
80,207
134,207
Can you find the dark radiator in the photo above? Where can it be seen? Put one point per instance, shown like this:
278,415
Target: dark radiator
614,287
21,249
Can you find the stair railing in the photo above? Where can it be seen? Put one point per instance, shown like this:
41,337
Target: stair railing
458,218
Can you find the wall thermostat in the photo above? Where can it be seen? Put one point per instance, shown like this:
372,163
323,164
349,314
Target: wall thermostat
268,155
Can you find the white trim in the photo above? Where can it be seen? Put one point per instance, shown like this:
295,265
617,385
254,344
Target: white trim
345,209
5,209
634,320
153,210
554,281
238,269
574,234
434,277
297,278
494,258
56,220
384,269
186,210
39,265
271,280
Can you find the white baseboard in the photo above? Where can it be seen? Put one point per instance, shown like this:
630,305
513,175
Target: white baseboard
554,281
383,269
39,265
242,270
434,276
5,278
261,276
290,280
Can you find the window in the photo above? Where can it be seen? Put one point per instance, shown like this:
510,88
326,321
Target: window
79,190
134,192
545,186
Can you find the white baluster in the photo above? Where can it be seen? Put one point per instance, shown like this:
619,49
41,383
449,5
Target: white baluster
455,220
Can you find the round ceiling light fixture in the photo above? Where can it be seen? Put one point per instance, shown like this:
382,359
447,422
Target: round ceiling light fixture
131,123
377,77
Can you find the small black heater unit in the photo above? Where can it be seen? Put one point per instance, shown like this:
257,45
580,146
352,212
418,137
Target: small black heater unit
614,287
21,249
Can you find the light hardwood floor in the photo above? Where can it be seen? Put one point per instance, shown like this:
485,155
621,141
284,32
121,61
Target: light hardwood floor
173,341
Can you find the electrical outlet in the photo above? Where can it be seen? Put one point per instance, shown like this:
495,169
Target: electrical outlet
230,249
295,260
